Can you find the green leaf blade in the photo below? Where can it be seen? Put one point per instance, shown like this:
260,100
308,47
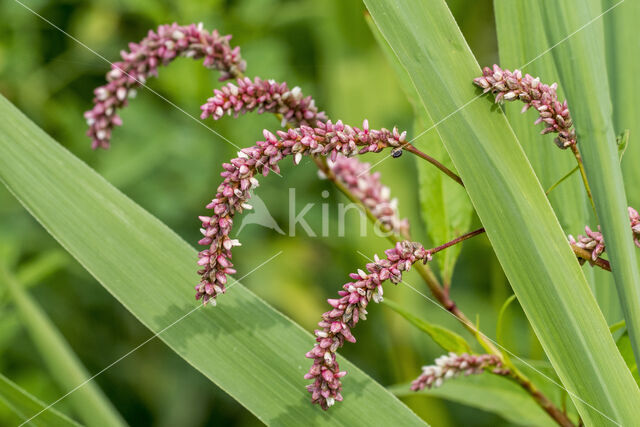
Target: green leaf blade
581,63
511,204
250,350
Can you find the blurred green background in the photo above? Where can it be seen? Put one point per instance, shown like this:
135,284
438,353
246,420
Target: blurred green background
170,165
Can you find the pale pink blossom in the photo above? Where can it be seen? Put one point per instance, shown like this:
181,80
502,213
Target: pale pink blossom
511,86
452,365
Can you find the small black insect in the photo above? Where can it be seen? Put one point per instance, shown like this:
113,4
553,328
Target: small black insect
396,152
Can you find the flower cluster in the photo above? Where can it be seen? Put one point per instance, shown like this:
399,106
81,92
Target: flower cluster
142,61
451,365
367,187
327,139
509,86
336,324
264,96
594,241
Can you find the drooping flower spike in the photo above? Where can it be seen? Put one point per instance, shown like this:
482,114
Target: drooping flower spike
263,96
142,61
594,241
511,86
452,365
347,311
326,139
375,196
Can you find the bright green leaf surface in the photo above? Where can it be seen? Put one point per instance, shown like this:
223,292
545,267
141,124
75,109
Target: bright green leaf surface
511,204
522,44
24,405
448,340
446,208
243,345
581,62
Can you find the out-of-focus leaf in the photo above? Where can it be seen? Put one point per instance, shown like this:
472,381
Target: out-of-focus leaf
445,338
624,345
250,350
24,405
446,208
581,63
489,393
88,401
41,267
501,315
524,232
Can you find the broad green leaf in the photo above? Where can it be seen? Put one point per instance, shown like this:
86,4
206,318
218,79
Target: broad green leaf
622,47
24,405
88,401
247,348
489,393
511,204
445,338
526,46
581,63
445,207
624,345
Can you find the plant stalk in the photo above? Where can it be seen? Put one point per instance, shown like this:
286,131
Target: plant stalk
578,157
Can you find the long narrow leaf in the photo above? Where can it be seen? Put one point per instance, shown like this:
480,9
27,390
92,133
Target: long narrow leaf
489,393
523,44
88,402
583,71
445,207
246,347
623,62
511,204
24,405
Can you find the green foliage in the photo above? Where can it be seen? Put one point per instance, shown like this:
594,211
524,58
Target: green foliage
246,347
513,208
581,64
445,338
88,400
23,405
445,206
489,393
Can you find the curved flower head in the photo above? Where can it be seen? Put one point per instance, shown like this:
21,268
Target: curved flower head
142,61
511,86
263,96
327,139
452,365
348,310
366,186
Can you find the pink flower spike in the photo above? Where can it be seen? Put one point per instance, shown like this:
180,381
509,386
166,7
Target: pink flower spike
511,86
337,323
325,139
263,96
452,365
142,61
